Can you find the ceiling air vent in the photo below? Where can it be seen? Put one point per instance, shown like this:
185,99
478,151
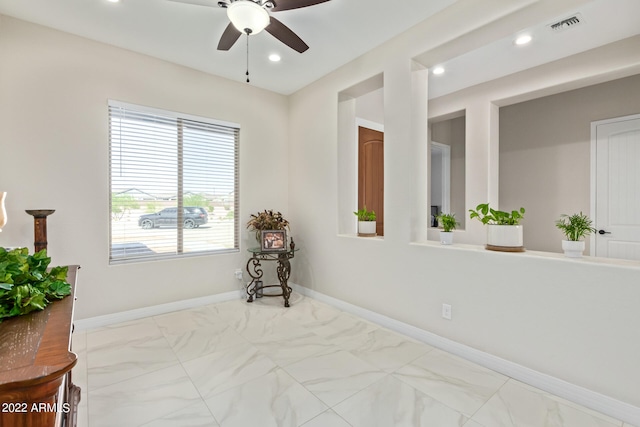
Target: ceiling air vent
567,23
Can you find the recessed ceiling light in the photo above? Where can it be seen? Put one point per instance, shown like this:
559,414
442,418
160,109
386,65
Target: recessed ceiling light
274,57
523,39
438,70
113,1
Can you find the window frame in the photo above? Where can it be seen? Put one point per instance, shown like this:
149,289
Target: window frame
179,118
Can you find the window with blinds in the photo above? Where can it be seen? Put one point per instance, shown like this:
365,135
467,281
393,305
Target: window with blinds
174,184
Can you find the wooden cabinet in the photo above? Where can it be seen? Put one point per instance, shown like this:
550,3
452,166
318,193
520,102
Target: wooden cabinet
35,366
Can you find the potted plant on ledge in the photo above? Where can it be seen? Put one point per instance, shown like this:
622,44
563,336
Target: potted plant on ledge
366,222
504,232
448,223
575,227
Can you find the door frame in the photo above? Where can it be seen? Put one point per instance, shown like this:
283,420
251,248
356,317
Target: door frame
594,171
445,171
360,122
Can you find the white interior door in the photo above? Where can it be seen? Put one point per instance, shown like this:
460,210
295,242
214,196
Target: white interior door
617,198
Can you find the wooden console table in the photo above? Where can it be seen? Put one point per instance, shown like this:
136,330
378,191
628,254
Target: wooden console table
35,366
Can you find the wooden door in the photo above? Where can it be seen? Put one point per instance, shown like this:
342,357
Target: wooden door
618,189
371,174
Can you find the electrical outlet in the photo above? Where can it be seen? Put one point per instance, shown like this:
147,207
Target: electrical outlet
238,274
446,311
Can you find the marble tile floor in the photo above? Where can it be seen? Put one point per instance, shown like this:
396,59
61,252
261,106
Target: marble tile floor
236,364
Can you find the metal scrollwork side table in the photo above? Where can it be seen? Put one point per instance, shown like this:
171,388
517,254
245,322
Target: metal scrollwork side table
283,269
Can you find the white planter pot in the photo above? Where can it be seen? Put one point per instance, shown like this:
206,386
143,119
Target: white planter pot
573,249
446,237
505,238
366,228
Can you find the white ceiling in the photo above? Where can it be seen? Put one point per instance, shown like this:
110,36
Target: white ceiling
602,22
336,31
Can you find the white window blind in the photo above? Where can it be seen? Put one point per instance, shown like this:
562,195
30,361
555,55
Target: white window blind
174,184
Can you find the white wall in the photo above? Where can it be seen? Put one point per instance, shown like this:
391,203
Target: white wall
542,139
371,106
54,89
573,320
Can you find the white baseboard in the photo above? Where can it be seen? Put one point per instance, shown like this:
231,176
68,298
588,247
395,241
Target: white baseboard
580,395
125,316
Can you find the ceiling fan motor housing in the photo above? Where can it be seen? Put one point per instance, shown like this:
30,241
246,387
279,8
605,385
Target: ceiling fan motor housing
252,16
247,16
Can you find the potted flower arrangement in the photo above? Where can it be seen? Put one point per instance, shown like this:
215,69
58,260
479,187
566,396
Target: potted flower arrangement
448,223
575,227
366,222
504,232
267,220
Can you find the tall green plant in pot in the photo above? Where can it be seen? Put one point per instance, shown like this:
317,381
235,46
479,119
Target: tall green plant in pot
448,223
366,222
575,228
504,232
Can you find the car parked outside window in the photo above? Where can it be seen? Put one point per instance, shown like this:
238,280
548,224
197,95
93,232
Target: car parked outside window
194,216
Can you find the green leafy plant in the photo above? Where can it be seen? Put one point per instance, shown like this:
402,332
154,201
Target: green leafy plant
267,220
26,284
447,221
576,226
485,214
365,215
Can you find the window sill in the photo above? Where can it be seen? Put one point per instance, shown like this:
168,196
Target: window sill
534,254
355,236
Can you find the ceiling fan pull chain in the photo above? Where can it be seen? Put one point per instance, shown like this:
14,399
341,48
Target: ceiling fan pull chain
248,32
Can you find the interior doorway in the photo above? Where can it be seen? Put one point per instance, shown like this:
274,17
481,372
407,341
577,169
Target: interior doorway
447,167
440,180
615,173
371,173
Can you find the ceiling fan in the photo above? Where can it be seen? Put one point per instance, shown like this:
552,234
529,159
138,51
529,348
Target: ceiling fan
252,16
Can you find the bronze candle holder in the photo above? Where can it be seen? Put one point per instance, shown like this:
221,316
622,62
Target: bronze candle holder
40,227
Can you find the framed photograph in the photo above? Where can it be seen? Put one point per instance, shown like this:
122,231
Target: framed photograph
273,240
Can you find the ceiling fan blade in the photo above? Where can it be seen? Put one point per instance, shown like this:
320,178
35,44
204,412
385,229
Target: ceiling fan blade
229,37
294,4
283,33
208,3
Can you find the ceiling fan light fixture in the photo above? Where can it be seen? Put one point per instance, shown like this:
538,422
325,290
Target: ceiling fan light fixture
245,14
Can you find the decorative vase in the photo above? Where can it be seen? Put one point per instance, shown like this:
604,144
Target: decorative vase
258,238
446,237
3,210
506,238
367,228
573,248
